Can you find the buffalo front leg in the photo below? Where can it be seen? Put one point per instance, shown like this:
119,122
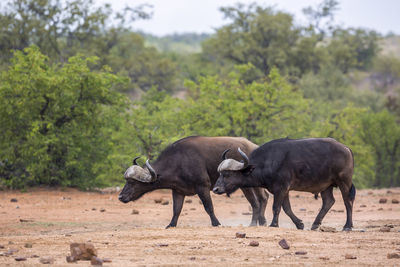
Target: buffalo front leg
252,198
327,202
276,208
204,194
348,194
262,196
288,210
178,203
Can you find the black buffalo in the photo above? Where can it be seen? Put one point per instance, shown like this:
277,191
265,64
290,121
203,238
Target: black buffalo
189,167
315,165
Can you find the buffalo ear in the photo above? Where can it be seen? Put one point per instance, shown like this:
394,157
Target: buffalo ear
248,170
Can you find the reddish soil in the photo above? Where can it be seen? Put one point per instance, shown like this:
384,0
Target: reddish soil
45,222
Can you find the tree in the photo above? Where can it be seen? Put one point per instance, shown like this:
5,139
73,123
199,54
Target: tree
55,120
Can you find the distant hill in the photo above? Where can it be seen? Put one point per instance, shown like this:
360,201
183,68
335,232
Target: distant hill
185,43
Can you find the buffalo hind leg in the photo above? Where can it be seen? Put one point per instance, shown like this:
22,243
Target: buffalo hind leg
252,198
178,203
262,196
288,210
348,194
327,202
204,194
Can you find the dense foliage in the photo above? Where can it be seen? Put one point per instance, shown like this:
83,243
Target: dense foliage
81,93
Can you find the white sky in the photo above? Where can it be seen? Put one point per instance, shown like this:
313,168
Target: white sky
179,16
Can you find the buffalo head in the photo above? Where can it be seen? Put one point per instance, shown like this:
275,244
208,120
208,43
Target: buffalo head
138,181
232,174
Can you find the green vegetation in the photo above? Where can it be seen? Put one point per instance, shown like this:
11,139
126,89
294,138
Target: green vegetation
81,94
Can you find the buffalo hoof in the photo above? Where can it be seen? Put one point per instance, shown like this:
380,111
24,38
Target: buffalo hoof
262,221
300,226
169,226
347,229
273,225
253,223
215,224
315,227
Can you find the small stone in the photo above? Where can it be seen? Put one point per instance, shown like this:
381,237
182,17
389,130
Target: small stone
246,213
393,256
350,257
192,208
253,243
301,253
25,220
1,246
10,251
135,211
302,209
70,259
165,202
162,245
240,235
370,193
324,258
20,258
363,206
107,260
102,210
158,200
327,229
380,209
28,245
93,208
35,256
395,201
192,258
384,229
233,212
96,261
13,200
46,260
284,244
382,200
82,251
389,192
188,201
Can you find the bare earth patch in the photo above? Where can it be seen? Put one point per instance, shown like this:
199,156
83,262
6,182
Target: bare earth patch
43,224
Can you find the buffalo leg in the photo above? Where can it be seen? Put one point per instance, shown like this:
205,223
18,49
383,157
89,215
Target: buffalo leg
348,194
327,202
252,198
276,208
205,197
178,203
288,210
262,197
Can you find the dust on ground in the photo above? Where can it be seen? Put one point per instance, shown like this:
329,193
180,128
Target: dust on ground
43,222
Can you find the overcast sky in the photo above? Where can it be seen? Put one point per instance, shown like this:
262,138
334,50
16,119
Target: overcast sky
179,16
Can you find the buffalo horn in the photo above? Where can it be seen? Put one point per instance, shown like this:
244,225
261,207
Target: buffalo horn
134,160
245,158
224,154
152,171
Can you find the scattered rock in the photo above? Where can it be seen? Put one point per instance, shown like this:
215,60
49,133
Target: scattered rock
246,213
363,206
1,246
395,201
380,209
96,261
284,244
192,258
389,192
70,259
327,229
350,257
302,209
188,201
107,260
102,210
240,235
382,200
82,251
370,193
162,245
10,251
67,235
93,208
46,260
389,225
158,200
20,258
165,202
393,256
233,212
135,211
25,220
324,258
384,229
17,207
10,243
35,256
253,243
301,253
28,245
13,200
192,208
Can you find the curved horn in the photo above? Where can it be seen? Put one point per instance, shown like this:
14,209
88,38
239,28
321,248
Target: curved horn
224,154
134,160
152,171
245,158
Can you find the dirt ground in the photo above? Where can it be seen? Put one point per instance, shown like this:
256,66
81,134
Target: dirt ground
43,223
